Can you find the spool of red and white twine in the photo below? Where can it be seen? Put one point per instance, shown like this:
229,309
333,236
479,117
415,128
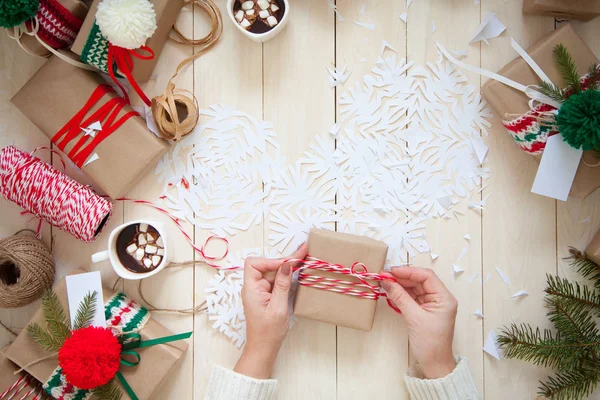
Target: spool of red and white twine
51,195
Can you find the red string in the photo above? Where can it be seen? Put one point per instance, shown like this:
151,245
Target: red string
106,114
123,59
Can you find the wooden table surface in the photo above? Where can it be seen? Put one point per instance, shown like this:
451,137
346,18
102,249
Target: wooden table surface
284,81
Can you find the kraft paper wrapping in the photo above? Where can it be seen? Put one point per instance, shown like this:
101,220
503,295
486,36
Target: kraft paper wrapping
57,92
506,100
592,251
156,361
166,15
76,7
335,308
583,10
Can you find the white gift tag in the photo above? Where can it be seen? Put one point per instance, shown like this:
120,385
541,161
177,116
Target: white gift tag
78,286
557,169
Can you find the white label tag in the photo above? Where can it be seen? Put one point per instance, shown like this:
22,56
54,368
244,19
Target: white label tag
78,286
557,169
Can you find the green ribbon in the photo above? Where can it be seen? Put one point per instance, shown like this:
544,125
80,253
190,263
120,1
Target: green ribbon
133,340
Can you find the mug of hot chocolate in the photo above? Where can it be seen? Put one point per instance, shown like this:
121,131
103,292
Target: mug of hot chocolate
260,20
136,250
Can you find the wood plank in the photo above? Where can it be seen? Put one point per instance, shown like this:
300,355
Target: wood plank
446,236
299,103
228,74
366,356
519,229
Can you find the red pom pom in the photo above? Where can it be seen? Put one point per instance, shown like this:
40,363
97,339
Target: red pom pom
90,357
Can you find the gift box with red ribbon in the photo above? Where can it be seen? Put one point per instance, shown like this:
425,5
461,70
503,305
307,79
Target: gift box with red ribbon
329,296
87,120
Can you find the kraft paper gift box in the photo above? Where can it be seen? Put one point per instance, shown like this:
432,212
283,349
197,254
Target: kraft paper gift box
8,378
145,378
584,10
508,101
336,308
90,48
57,92
68,16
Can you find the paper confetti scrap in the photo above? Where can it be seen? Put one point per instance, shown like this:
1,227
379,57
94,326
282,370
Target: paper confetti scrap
337,75
478,313
92,158
335,129
473,277
434,256
502,275
490,28
520,293
366,25
386,45
478,205
491,346
408,3
585,220
479,148
487,278
459,53
467,237
362,9
403,16
462,254
456,270
433,27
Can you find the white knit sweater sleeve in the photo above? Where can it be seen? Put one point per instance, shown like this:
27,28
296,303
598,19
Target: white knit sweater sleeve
459,385
225,384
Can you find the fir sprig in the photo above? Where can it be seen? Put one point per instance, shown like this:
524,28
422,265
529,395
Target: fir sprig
585,266
552,91
43,338
594,77
573,294
85,312
110,391
56,319
569,385
567,68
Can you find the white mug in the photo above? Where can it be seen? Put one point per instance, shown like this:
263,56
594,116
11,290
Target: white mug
111,252
260,37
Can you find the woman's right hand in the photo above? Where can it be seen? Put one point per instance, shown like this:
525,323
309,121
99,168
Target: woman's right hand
430,313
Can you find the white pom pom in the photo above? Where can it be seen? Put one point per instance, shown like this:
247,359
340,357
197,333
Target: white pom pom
126,23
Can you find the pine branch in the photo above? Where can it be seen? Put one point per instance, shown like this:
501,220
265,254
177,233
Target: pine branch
43,338
54,314
572,321
523,343
573,294
110,391
552,91
593,77
585,266
570,385
567,68
86,311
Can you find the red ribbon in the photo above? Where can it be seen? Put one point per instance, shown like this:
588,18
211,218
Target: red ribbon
108,113
123,59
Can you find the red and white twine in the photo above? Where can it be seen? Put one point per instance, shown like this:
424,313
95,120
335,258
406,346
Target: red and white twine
51,195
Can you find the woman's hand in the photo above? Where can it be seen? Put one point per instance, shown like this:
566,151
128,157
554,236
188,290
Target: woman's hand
430,312
265,297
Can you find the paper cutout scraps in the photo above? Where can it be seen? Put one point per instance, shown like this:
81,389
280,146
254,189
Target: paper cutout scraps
335,10
337,75
403,16
92,158
478,313
433,27
334,130
467,237
585,220
519,294
502,275
386,45
456,270
433,256
408,3
92,129
490,28
366,25
491,346
362,9
479,148
478,205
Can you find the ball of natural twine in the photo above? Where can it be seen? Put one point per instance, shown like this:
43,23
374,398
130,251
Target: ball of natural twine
26,270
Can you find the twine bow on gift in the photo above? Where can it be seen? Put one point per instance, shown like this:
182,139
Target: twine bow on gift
122,59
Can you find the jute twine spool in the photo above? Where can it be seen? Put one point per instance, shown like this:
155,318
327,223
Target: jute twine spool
26,270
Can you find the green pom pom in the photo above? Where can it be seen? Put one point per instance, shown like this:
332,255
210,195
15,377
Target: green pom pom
15,12
579,120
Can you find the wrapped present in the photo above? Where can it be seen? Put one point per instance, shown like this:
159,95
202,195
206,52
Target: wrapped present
92,46
592,251
522,122
58,22
14,385
123,316
315,302
64,101
583,10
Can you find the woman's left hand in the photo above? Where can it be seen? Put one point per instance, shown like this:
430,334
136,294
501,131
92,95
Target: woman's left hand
265,295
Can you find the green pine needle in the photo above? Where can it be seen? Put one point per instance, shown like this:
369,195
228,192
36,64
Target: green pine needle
573,294
86,311
570,385
572,321
594,77
55,316
110,391
585,266
567,68
552,91
43,338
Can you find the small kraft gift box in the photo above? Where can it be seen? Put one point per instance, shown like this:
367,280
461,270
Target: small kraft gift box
583,10
65,102
338,308
122,314
520,120
92,46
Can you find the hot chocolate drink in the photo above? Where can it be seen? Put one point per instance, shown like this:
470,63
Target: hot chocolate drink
258,16
140,248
